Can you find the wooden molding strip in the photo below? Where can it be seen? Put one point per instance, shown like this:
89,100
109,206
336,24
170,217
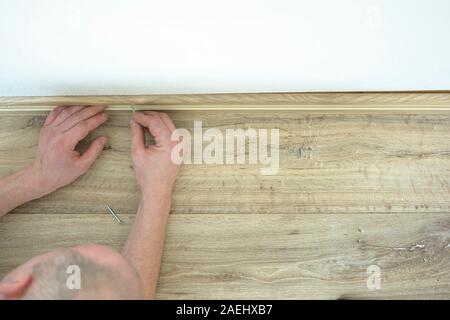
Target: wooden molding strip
182,107
394,101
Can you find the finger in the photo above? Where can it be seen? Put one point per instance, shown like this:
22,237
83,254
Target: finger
92,153
84,127
53,115
168,122
80,116
137,137
66,112
155,125
175,136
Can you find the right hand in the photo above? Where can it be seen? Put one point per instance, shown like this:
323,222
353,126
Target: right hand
155,171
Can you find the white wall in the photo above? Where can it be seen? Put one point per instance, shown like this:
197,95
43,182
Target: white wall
55,47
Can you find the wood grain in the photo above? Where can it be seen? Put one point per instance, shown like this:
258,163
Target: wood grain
364,180
402,100
255,107
329,162
264,256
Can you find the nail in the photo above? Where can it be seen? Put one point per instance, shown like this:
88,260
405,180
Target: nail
111,211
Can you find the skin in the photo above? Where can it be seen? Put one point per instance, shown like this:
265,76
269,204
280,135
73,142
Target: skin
155,173
58,164
15,284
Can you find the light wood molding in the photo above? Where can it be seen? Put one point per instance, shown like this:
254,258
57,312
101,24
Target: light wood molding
372,101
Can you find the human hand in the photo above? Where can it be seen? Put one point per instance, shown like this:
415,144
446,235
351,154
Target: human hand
58,163
155,171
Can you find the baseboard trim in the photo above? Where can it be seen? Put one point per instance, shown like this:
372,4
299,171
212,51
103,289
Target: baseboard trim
351,101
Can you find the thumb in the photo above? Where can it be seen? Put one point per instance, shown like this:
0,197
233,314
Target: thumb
92,153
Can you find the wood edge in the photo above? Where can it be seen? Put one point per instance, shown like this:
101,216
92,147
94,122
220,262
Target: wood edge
306,99
309,108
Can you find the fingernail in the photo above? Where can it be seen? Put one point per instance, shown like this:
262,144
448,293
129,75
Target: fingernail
103,140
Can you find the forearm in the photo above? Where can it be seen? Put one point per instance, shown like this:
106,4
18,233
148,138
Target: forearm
144,247
16,190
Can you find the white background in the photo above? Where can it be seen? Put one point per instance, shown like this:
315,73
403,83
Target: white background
56,47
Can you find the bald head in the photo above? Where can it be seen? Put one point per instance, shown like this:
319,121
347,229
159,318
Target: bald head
85,272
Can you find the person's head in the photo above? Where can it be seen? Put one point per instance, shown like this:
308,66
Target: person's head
84,272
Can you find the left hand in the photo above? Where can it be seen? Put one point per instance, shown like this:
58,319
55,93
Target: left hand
58,163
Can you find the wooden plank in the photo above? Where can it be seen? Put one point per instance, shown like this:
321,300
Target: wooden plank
335,100
264,256
329,162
